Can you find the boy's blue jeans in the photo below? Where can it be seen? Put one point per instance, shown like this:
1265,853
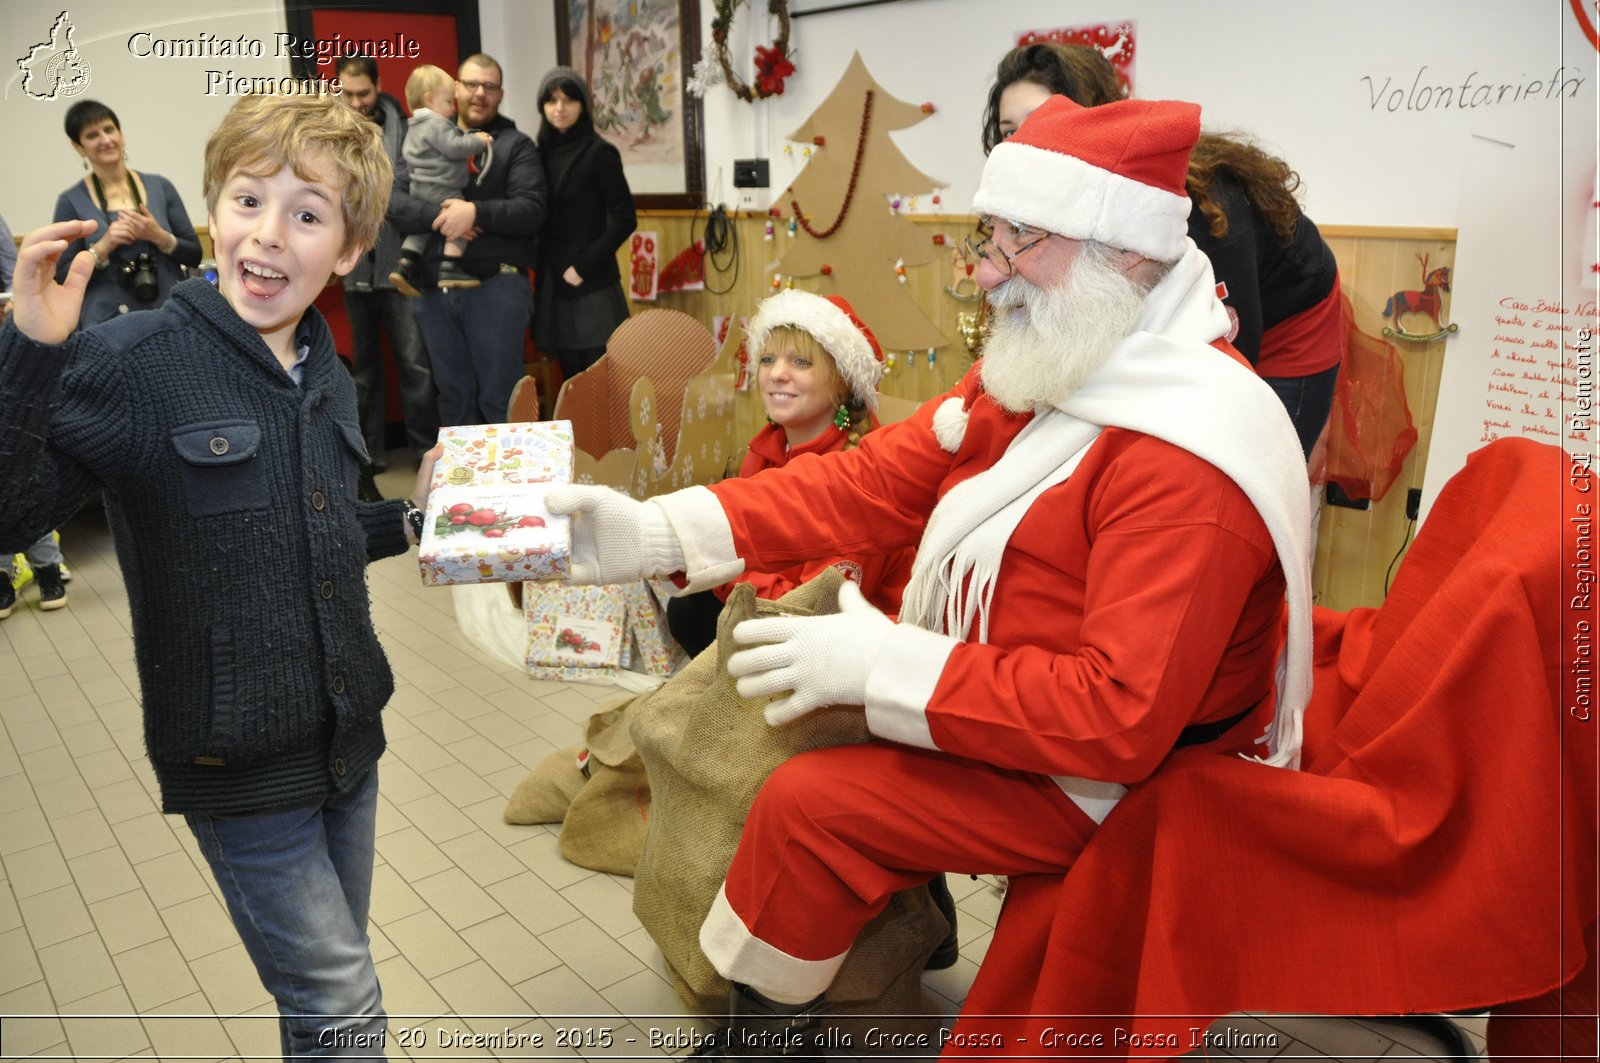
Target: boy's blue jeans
298,884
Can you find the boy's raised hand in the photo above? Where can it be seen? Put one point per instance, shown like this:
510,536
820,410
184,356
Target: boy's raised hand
45,311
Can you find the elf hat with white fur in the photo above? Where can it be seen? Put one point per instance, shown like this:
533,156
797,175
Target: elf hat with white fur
831,322
1113,173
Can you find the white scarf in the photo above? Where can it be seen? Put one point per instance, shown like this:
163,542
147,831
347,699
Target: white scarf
1165,380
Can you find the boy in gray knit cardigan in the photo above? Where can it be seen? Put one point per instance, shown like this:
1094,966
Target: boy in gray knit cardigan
223,433
436,151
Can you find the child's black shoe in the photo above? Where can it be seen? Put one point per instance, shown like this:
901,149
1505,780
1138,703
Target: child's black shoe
52,592
404,278
451,275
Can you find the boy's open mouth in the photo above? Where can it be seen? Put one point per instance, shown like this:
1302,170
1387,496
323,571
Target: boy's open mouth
261,281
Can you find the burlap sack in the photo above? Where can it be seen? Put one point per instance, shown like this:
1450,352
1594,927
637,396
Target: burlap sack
599,789
605,826
708,751
546,794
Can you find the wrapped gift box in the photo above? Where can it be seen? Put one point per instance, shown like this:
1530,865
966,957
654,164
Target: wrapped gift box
574,632
486,521
651,649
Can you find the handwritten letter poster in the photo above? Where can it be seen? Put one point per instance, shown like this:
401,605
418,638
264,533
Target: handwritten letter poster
1523,364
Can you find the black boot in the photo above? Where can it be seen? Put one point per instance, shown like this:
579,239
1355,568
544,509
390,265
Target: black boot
762,1028
949,949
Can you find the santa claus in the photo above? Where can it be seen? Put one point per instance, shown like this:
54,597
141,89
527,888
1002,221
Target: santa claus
1110,519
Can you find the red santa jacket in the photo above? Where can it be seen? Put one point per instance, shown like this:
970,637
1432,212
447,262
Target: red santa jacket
882,577
1139,597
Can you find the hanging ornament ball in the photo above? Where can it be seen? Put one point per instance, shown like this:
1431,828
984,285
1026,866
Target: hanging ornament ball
936,199
767,235
792,226
911,204
807,153
930,357
788,149
820,141
894,204
789,283
928,108
774,212
777,281
938,239
827,270
888,362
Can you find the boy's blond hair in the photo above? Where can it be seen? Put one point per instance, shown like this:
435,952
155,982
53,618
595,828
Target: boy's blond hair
262,134
424,80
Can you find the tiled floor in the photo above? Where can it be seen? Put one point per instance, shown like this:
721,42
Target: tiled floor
113,939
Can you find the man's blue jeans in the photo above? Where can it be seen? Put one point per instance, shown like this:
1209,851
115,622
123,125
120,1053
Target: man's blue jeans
475,342
298,885
372,314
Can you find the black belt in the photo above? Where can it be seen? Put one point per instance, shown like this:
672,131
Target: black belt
1201,733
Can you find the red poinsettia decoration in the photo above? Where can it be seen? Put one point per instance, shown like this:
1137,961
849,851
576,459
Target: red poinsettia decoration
772,67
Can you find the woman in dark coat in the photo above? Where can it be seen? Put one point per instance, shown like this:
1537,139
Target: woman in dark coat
578,295
144,237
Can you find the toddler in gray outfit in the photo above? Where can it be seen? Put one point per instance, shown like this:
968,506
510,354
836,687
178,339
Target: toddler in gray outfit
436,150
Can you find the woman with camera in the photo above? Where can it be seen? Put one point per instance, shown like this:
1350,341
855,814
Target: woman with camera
144,236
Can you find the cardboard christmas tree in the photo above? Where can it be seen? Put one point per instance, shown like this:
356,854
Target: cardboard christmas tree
848,241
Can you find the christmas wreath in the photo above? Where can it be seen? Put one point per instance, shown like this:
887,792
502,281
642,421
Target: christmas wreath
773,64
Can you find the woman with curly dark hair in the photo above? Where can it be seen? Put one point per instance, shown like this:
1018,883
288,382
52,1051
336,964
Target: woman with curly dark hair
1275,274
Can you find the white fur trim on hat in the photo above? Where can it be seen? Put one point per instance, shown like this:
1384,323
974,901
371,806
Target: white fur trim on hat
950,424
1065,195
829,326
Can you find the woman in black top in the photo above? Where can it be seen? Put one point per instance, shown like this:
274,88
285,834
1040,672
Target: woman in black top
578,293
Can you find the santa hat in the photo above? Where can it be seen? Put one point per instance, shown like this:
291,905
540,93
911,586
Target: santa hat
1113,173
831,322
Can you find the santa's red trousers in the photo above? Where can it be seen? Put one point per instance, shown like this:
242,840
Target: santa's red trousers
834,833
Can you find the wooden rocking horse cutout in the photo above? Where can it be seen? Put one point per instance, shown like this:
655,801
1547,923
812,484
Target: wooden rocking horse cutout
1427,301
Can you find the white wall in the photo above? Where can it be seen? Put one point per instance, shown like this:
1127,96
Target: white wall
163,103
1290,73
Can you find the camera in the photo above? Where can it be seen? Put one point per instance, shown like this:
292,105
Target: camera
138,275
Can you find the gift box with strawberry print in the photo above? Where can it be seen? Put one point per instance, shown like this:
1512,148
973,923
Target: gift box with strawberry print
486,521
574,633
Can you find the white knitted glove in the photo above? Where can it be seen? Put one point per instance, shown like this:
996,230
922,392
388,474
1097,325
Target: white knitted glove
614,538
824,660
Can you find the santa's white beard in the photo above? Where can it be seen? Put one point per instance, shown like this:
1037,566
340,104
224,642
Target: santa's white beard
1035,356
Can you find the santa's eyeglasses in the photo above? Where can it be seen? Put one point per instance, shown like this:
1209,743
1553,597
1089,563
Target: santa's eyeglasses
1023,236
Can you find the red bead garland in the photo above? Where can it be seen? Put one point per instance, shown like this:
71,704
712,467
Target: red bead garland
850,190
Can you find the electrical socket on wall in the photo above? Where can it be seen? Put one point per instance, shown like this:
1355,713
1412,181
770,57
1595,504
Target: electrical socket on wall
750,173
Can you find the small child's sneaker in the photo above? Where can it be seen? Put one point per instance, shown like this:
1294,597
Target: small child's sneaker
451,275
404,278
52,592
8,597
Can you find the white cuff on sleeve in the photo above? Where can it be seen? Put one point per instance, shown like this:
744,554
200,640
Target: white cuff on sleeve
900,684
707,537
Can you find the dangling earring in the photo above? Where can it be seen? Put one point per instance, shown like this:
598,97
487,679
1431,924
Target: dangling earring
85,159
841,419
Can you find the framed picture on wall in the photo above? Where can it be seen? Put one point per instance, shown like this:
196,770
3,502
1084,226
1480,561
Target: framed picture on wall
636,56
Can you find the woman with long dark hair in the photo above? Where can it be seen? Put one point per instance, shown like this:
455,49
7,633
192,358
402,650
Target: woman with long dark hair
578,298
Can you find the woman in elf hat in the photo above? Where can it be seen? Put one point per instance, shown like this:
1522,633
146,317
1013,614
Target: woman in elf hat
818,374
